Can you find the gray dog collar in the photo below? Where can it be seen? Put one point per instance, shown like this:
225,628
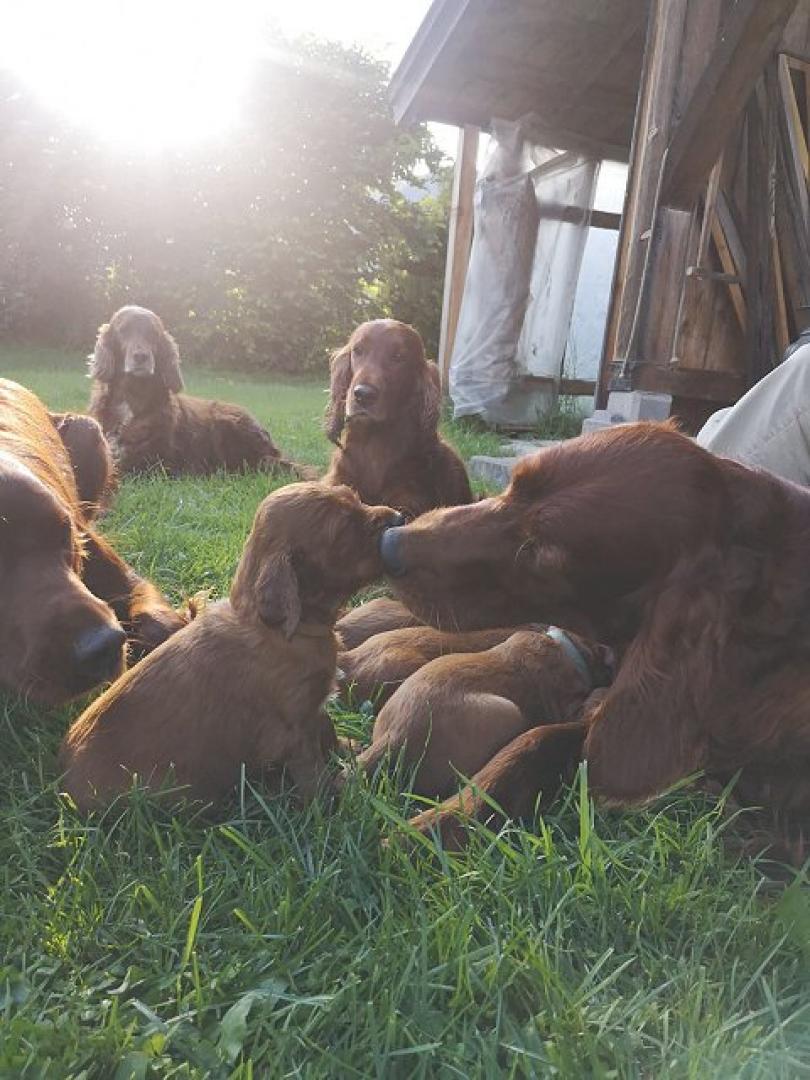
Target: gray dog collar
572,652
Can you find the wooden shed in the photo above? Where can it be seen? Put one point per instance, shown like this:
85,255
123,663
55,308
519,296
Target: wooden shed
708,101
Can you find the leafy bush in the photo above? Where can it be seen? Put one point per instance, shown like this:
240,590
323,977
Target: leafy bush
260,250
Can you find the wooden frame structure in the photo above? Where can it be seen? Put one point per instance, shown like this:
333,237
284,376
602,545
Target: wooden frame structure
709,101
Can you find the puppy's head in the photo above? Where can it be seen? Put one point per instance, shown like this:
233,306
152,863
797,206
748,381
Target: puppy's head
135,344
381,375
312,545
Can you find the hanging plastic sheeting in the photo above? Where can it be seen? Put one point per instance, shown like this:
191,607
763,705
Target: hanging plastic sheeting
565,189
531,212
496,290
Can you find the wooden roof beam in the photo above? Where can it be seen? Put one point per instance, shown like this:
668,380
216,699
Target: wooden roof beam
750,36
433,34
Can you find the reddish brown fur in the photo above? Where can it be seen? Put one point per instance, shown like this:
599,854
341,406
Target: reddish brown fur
455,713
59,579
385,399
374,617
378,667
696,567
137,400
246,681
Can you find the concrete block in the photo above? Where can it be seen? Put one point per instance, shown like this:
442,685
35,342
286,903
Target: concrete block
600,420
521,447
493,470
639,405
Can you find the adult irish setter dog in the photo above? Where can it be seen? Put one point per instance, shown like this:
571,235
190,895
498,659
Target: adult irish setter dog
383,412
246,680
693,567
137,399
68,601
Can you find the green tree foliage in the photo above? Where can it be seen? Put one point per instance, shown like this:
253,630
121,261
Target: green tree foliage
260,251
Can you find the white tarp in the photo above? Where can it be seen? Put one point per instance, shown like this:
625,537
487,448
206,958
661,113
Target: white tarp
519,292
568,181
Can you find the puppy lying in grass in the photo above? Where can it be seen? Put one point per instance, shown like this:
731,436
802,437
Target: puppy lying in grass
455,713
376,669
247,679
372,618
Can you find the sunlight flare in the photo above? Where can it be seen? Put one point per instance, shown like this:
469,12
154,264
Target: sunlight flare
145,74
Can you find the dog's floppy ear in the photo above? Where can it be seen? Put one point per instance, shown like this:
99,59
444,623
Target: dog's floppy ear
277,599
428,401
340,370
103,362
169,363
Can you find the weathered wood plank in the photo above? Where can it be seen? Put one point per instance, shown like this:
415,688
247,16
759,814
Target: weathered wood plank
597,219
719,386
782,327
730,252
760,350
795,134
750,36
433,34
650,134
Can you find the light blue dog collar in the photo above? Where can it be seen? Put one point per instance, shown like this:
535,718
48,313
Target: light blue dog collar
572,652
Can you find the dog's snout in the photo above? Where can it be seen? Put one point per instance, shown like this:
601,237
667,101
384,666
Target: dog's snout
364,394
391,552
97,652
140,358
397,520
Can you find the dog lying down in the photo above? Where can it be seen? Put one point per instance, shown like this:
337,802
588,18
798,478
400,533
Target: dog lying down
455,713
375,670
245,682
372,618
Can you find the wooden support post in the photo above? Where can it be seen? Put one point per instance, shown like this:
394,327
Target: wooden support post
732,255
760,348
782,328
795,133
459,240
659,80
709,207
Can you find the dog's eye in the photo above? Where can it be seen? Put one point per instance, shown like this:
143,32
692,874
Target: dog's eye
358,350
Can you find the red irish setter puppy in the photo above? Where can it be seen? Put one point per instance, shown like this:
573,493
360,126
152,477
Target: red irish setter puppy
137,399
457,711
68,601
693,567
383,412
374,617
377,667
246,680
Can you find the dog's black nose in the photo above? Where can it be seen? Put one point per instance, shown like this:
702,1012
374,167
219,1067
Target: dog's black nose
397,520
97,652
391,552
364,395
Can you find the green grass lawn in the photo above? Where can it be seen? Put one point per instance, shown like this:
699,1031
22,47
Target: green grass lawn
275,942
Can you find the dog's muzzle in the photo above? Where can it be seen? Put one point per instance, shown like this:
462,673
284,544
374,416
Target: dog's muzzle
391,551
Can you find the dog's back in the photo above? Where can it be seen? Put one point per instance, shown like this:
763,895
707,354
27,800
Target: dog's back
215,695
382,663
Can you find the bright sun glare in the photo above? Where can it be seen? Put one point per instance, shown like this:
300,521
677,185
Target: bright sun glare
140,73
